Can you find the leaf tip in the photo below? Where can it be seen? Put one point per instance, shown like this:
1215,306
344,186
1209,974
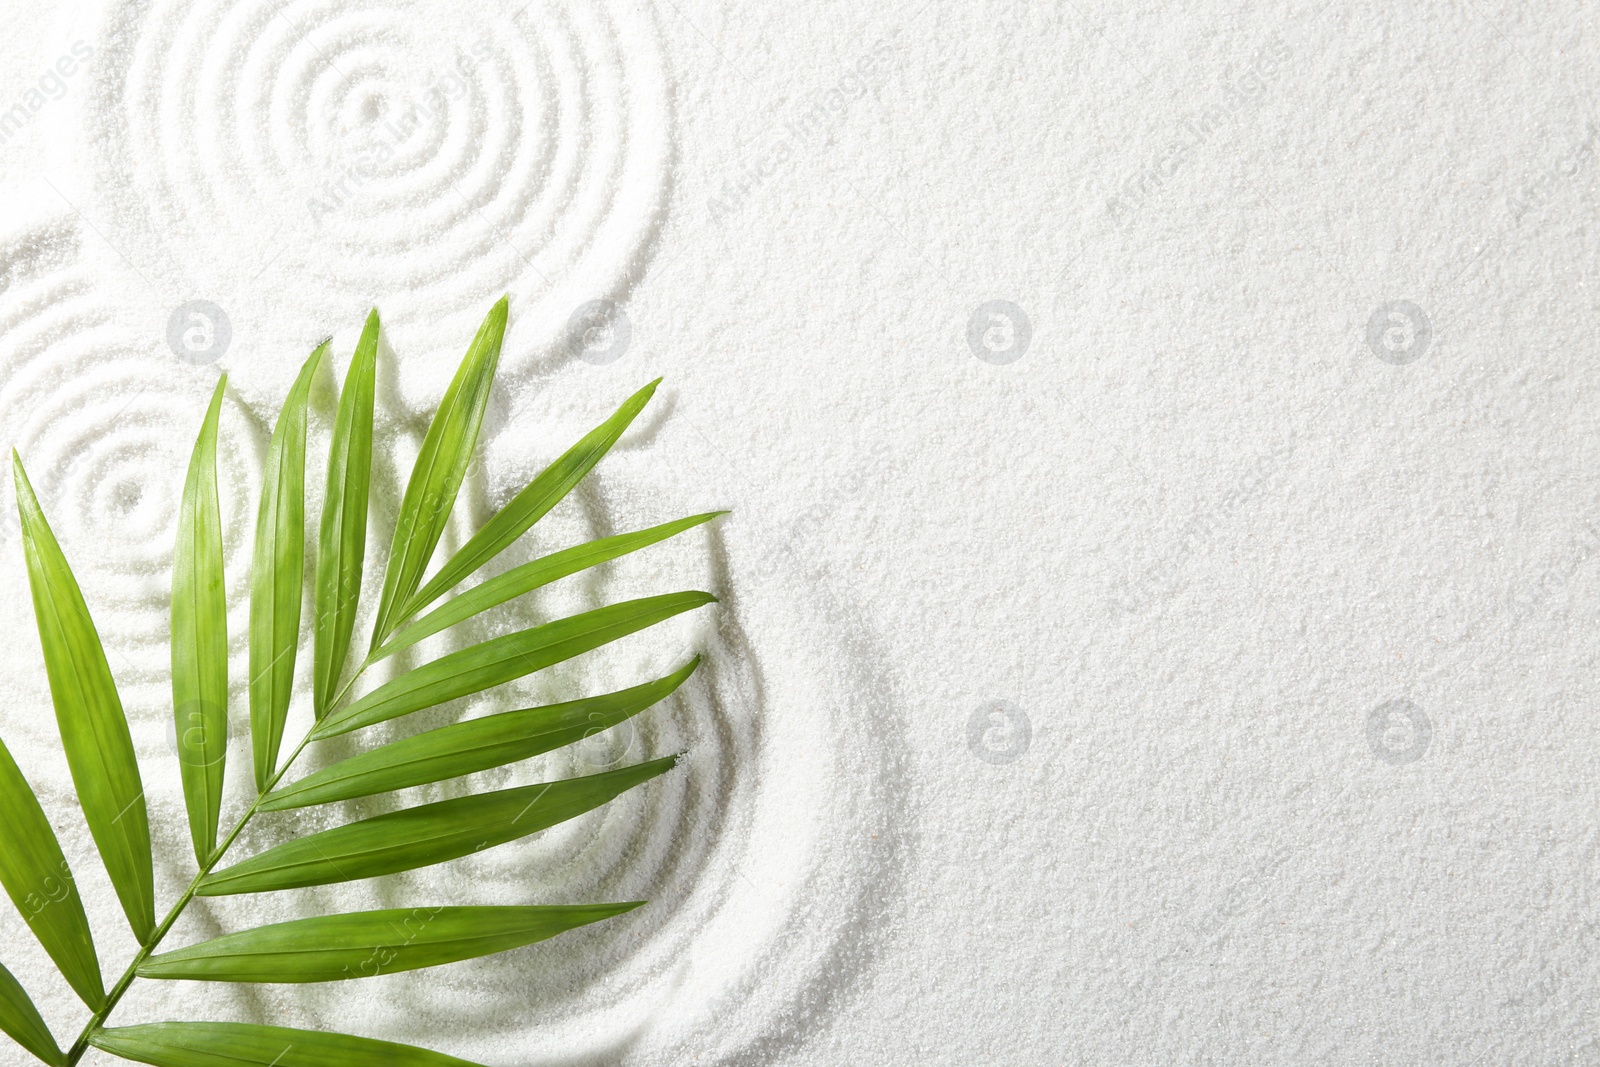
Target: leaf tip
679,676
19,478
495,321
637,401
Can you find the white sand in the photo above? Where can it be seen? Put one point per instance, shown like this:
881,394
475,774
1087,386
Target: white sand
1301,625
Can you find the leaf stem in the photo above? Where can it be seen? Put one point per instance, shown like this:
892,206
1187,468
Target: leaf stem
81,1046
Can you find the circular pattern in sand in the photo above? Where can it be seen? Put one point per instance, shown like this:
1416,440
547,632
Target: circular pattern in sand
308,159
104,425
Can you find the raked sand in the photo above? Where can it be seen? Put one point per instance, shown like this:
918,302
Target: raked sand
1157,612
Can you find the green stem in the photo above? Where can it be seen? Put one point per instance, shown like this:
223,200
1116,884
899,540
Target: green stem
81,1046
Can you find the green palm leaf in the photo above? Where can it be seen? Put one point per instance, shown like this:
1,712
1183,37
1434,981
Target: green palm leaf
333,948
245,1045
342,544
20,1021
503,659
200,639
39,882
98,746
531,576
530,505
474,745
278,575
94,729
436,477
423,836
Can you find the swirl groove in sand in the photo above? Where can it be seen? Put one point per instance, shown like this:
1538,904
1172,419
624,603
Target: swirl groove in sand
321,157
104,424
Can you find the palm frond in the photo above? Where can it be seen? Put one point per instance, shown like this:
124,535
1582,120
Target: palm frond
322,948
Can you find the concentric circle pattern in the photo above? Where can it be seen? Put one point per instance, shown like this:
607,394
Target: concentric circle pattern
316,158
104,425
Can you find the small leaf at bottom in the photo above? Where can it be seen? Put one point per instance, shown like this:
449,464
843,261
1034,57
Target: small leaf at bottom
248,1045
20,1019
36,877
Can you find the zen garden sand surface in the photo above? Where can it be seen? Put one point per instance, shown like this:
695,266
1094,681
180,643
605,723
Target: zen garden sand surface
1155,605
